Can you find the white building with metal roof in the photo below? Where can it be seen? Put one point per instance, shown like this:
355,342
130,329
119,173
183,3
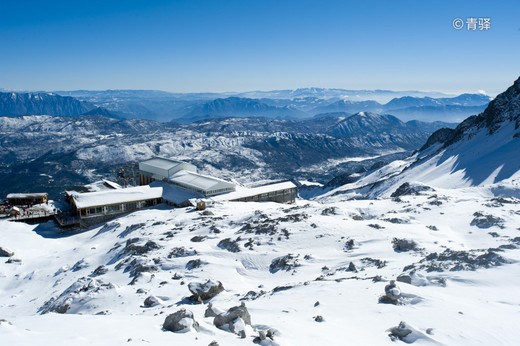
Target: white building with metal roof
161,169
203,184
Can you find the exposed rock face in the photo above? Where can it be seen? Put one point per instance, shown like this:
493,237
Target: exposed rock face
286,262
408,189
180,321
206,290
101,270
439,136
4,252
233,319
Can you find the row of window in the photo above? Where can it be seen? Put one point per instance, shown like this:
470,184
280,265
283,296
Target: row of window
117,208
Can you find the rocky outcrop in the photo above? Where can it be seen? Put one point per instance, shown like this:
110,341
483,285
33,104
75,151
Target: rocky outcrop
206,290
181,321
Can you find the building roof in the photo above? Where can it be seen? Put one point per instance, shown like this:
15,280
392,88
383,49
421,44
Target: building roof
26,195
162,163
196,180
101,185
175,194
117,196
248,192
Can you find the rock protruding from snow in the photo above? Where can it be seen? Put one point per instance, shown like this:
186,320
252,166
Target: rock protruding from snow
4,252
78,294
206,290
400,332
151,301
407,189
181,321
392,294
286,263
403,245
234,319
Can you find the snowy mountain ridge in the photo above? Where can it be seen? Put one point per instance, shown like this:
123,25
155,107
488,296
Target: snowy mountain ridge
482,150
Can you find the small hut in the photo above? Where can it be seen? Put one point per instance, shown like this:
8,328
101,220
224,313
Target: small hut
201,205
27,198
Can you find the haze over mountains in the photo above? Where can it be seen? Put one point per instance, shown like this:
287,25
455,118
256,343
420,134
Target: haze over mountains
282,104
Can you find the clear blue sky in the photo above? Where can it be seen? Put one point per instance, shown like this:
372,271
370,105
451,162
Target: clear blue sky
257,45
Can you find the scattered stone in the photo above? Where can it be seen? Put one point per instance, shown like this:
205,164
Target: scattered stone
375,225
229,244
194,264
374,261
486,221
198,238
180,321
352,267
206,290
433,228
392,294
151,301
181,252
396,220
4,252
319,318
287,262
408,189
349,245
75,296
235,319
404,278
450,260
210,312
403,245
282,288
399,332
14,260
101,270
329,211
316,304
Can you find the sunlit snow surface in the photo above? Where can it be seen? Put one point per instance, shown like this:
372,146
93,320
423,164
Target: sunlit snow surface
480,306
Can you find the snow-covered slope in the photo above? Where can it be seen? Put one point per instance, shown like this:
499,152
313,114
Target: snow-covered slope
289,264
482,150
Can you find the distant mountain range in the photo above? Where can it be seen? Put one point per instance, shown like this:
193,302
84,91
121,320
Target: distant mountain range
55,152
295,104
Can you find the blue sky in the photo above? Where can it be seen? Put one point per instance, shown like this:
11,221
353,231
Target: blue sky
230,45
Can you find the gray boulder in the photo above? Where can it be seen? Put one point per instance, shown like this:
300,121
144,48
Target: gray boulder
232,318
209,311
406,278
4,252
180,321
400,332
206,290
392,294
151,301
